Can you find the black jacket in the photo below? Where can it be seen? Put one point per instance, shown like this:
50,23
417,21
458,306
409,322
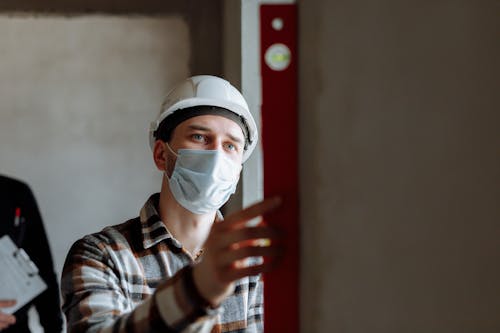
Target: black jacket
31,236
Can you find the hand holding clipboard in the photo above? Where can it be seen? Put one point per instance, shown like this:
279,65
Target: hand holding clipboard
19,279
6,319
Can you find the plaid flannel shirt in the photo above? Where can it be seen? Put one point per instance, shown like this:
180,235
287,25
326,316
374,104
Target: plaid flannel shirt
136,277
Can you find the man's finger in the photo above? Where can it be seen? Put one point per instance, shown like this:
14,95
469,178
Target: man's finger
258,209
245,234
227,259
6,319
234,274
5,303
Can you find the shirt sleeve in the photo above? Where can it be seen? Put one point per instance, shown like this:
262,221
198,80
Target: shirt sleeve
96,299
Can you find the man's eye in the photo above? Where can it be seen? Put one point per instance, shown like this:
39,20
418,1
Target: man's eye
230,146
198,137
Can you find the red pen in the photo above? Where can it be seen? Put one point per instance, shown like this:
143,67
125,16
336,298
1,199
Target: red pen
17,217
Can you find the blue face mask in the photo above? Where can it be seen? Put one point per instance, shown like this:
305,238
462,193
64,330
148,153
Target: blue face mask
203,180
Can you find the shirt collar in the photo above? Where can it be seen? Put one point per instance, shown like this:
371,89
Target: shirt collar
152,227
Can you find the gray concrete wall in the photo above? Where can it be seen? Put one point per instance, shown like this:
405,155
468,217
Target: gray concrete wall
400,166
77,97
204,19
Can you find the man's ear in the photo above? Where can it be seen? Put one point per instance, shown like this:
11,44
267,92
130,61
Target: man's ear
160,155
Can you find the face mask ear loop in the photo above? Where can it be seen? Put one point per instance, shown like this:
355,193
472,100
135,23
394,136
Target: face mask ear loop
171,150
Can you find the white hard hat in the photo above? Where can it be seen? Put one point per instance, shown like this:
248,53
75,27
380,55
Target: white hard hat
207,90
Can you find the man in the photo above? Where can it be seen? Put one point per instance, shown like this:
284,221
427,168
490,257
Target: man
179,267
20,219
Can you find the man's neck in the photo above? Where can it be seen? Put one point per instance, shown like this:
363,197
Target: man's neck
191,230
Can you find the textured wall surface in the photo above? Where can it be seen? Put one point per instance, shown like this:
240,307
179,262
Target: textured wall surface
77,98
400,166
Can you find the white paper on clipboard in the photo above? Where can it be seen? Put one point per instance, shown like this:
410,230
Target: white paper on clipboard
19,279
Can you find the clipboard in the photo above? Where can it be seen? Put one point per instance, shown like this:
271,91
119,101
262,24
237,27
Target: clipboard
19,278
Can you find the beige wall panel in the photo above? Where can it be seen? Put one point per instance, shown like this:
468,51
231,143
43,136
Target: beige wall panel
400,166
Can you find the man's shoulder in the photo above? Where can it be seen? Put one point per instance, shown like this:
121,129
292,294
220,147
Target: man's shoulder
115,234
111,240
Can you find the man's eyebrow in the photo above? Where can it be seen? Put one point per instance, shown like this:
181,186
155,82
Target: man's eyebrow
199,128
206,129
235,139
